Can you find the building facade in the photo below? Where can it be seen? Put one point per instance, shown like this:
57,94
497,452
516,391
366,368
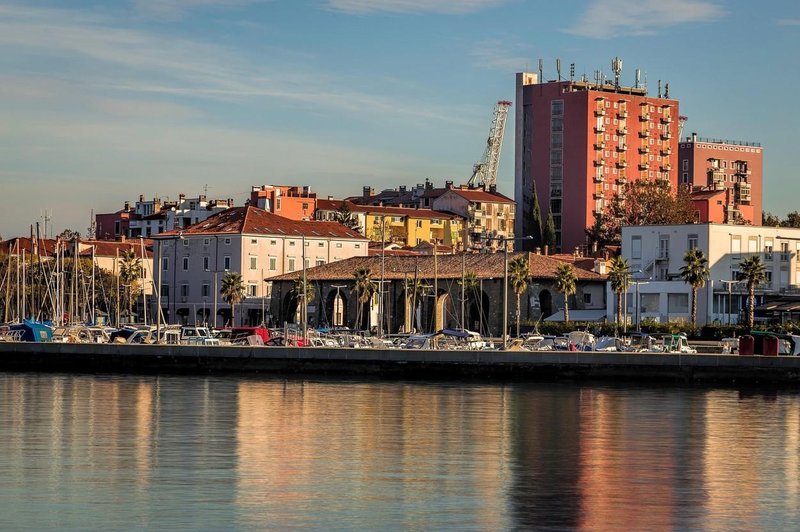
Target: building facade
579,143
293,202
655,254
732,167
489,216
192,262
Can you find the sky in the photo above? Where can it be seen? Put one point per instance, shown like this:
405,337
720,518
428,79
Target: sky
101,101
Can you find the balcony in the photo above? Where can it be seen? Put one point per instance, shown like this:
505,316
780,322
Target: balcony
644,165
622,164
599,177
743,193
598,192
666,151
644,117
600,144
666,167
622,131
622,179
645,133
599,128
663,181
644,149
717,179
666,119
666,135
600,111
599,162
622,113
622,148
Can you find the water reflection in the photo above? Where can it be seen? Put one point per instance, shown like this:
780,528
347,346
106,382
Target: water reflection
214,453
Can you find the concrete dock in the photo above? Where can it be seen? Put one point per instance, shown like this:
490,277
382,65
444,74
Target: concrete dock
544,365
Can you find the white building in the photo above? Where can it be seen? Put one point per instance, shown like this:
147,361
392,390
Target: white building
251,241
655,254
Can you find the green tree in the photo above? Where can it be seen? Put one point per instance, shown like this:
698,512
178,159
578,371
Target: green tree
753,272
549,236
619,275
344,215
537,233
770,220
130,271
792,220
364,287
694,273
303,292
518,275
566,283
232,291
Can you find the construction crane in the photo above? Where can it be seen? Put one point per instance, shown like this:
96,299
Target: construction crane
484,173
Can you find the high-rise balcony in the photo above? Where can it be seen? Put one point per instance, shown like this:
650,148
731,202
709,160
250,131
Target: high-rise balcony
644,149
645,133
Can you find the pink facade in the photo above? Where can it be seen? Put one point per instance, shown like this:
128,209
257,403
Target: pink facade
723,165
581,143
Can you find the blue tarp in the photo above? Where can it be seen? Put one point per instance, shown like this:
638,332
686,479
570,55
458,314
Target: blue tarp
34,331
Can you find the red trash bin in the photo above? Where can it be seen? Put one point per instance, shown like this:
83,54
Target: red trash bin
746,345
770,346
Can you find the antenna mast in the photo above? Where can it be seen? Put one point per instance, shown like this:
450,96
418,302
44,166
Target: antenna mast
484,173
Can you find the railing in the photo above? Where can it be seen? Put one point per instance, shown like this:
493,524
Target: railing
724,141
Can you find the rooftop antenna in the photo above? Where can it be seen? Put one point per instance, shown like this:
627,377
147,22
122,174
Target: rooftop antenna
558,68
92,229
571,71
597,78
659,88
637,78
541,70
616,67
666,90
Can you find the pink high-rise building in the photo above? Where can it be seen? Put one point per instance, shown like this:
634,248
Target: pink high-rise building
581,142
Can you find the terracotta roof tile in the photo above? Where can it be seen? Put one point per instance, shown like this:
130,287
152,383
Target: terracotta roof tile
254,221
483,265
481,195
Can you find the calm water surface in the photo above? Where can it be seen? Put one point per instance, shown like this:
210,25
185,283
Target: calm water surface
132,452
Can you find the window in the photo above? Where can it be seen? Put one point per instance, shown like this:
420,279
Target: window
205,264
768,246
587,298
165,264
227,241
185,242
116,228
557,107
273,263
320,262
684,177
291,242
636,248
692,242
226,261
184,290
338,244
185,263
305,206
253,263
205,290
752,245
736,247
784,251
252,290
273,242
419,224
206,241
358,246
768,281
649,303
678,303
164,290
320,244
254,241
290,264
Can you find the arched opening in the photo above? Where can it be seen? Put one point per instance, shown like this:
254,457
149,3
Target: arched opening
546,303
290,308
336,308
183,315
446,316
203,316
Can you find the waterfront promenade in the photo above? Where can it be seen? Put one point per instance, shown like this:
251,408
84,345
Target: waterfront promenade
397,362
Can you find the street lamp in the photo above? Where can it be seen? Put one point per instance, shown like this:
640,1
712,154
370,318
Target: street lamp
505,240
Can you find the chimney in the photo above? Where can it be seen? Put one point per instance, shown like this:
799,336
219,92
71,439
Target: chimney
600,266
546,249
448,184
493,188
127,205
141,198
537,251
402,188
428,184
330,198
181,197
367,192
694,136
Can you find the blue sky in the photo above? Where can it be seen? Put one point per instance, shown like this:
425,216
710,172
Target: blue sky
103,101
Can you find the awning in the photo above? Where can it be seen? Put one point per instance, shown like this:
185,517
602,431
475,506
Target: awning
780,305
579,315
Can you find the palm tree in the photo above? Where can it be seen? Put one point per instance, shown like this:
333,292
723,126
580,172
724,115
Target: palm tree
518,274
364,287
232,291
565,283
695,273
130,269
620,277
753,272
304,295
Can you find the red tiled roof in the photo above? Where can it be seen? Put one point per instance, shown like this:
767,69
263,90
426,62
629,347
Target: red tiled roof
585,263
254,221
481,195
483,265
17,245
332,205
109,248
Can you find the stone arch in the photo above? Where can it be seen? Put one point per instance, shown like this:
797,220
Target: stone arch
336,308
290,308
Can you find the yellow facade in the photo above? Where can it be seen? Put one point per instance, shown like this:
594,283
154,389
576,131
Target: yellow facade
408,230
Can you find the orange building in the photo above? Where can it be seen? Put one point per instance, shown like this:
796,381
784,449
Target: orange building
729,166
581,142
293,202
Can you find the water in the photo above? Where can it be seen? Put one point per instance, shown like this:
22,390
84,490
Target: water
220,453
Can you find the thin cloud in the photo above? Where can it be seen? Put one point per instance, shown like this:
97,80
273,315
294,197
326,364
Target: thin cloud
789,22
447,7
610,18
499,54
176,8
